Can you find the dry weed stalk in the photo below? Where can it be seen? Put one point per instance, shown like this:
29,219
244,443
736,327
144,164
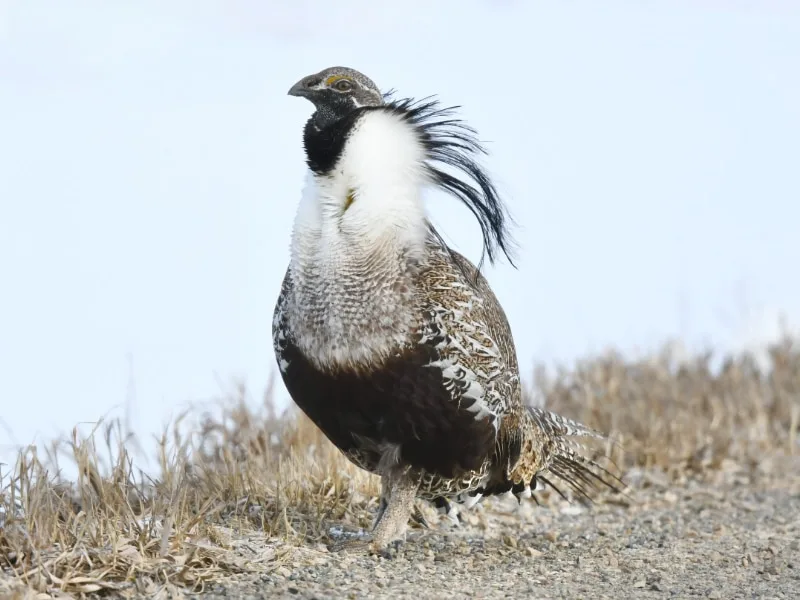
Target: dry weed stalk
678,414
257,471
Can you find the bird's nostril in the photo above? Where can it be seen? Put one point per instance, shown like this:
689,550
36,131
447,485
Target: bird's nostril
311,83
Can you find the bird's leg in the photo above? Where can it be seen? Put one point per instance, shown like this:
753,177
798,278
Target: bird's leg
398,492
402,490
416,515
382,504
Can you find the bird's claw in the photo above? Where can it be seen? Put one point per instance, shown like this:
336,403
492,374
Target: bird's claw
366,546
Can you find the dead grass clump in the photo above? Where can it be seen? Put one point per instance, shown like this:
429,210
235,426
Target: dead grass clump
274,476
280,473
676,414
266,478
108,527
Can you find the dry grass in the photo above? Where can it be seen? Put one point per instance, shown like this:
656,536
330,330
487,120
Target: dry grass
682,414
246,474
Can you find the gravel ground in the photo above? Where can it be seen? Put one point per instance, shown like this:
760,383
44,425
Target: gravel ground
731,536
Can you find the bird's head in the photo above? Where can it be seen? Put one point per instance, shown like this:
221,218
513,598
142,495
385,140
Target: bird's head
337,91
445,148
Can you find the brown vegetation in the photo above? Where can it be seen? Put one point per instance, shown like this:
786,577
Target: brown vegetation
276,476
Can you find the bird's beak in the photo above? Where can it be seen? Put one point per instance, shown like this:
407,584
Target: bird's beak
298,89
301,88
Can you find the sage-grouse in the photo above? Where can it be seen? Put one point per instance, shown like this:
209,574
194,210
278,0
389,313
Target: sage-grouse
389,340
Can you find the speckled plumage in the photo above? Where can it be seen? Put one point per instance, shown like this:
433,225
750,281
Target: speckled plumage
393,343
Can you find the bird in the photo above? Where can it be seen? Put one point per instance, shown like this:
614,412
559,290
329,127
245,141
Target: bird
391,341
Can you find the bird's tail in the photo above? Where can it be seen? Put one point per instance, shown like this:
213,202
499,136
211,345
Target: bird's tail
554,451
537,449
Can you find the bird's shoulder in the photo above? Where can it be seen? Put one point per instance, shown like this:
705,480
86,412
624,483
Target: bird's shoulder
463,320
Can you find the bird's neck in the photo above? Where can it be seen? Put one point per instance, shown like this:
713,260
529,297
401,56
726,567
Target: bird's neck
367,202
359,237
326,115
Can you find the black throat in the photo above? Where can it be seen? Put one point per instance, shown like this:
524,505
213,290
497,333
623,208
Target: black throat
326,132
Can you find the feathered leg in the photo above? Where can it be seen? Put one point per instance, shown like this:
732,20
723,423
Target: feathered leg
396,506
416,515
382,504
401,491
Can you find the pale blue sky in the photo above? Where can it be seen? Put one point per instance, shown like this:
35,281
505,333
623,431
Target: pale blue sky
151,162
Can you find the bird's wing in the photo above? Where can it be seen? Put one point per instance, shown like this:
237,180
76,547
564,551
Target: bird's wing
466,325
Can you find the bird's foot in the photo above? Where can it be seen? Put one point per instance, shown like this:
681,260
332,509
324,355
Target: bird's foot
366,546
347,546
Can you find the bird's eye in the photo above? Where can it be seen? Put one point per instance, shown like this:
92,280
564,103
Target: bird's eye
343,85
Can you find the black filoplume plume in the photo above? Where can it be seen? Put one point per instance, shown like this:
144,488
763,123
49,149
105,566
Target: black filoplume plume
449,142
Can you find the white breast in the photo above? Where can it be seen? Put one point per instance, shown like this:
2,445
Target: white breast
353,297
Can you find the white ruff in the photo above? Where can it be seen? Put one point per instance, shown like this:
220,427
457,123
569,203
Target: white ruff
351,269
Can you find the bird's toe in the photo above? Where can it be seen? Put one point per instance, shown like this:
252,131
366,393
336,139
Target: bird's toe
359,545
387,551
